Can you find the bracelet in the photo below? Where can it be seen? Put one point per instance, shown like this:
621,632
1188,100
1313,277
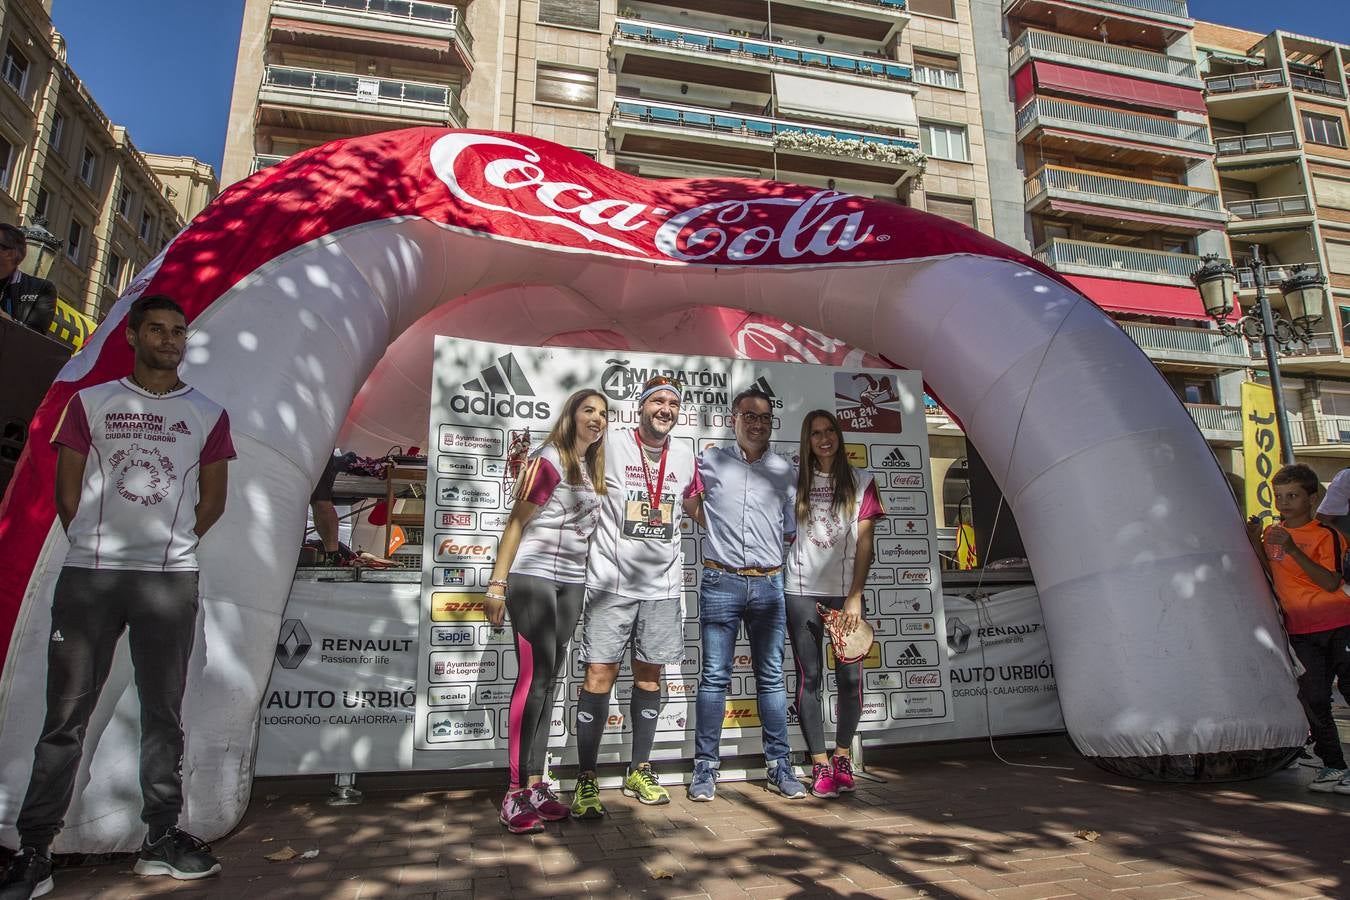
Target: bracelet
491,596
496,581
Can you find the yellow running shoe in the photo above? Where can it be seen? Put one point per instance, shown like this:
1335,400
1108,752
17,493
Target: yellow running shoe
586,799
642,784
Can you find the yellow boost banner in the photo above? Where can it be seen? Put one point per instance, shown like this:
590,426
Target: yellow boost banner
1260,449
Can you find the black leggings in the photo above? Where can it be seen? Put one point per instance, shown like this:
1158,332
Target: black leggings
806,630
543,615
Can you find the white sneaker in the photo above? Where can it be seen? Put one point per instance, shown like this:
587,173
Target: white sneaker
1327,780
1343,786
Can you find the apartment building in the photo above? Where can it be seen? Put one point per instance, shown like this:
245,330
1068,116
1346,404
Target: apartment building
1278,109
65,164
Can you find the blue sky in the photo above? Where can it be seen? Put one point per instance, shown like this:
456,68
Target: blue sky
165,68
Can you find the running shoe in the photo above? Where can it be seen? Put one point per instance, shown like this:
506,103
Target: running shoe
1343,786
518,813
1327,779
547,804
178,855
822,781
586,799
29,874
783,780
843,774
704,783
642,784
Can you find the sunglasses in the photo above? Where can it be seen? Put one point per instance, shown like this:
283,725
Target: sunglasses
661,381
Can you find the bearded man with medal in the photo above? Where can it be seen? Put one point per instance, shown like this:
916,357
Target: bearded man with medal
633,584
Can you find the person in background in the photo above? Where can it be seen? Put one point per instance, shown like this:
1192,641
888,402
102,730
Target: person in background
539,579
29,300
1304,559
140,478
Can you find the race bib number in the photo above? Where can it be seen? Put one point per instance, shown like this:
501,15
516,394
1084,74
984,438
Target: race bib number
642,523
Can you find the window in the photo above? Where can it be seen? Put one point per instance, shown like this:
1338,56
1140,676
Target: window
147,226
1326,130
113,276
570,87
1335,398
572,13
58,132
943,141
124,202
944,8
44,200
88,167
1193,388
6,163
1338,257
73,241
958,209
14,69
936,69
1345,324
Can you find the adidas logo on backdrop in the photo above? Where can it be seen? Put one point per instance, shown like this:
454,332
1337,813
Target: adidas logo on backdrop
762,384
501,390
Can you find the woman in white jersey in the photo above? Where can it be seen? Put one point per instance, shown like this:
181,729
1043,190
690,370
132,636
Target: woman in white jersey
540,579
828,563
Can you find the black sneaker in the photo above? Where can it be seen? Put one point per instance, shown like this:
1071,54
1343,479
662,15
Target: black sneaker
178,854
29,875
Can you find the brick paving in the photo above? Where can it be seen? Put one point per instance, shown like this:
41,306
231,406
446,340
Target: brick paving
950,821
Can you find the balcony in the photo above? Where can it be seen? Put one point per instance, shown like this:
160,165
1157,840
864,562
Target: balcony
339,95
876,21
1074,187
1273,275
1189,346
1268,210
393,20
1323,345
1111,261
1218,424
672,130
1094,120
1244,82
264,160
1309,84
703,48
1154,23
1252,144
1060,48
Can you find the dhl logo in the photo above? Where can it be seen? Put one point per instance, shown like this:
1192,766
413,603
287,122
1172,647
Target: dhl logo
741,714
447,606
871,661
857,455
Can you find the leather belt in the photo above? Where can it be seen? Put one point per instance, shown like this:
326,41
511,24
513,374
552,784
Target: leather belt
751,571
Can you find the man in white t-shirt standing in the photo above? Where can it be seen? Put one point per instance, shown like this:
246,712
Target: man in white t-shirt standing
140,477
633,584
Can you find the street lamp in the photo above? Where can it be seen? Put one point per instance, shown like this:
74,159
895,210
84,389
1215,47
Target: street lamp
47,245
1302,289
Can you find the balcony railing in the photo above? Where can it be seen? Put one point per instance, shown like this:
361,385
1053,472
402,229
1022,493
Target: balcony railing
1191,342
1223,419
1313,85
1334,429
1064,252
1133,190
1051,112
401,11
1273,274
1322,345
365,89
724,123
1046,42
753,50
1240,144
1270,207
1245,81
263,160
1175,8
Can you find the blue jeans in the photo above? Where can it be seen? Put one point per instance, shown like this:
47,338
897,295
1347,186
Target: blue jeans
725,600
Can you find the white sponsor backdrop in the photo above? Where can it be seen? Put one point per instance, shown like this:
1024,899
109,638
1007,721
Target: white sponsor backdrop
491,403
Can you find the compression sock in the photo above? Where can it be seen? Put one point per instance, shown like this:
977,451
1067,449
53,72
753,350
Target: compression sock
644,709
592,712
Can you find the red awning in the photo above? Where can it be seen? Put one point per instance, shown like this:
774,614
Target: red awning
1024,85
1142,298
1118,87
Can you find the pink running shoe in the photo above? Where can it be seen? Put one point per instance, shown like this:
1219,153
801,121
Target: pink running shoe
822,781
843,774
547,804
518,813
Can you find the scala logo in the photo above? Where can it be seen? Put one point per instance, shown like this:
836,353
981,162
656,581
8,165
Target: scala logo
503,388
501,175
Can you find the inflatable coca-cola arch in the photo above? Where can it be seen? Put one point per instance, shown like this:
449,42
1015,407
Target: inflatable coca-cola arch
300,280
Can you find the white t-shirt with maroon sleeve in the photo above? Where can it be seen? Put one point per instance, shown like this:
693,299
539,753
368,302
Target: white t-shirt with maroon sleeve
820,563
556,538
143,454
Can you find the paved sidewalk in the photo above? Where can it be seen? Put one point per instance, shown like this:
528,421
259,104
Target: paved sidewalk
949,822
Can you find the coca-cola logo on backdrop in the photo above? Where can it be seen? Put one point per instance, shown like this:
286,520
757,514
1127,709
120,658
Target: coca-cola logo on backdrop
501,175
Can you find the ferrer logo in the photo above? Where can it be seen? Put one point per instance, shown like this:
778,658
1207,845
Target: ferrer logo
505,377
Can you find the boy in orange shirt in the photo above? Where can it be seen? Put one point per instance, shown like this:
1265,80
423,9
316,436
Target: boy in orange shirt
1303,557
